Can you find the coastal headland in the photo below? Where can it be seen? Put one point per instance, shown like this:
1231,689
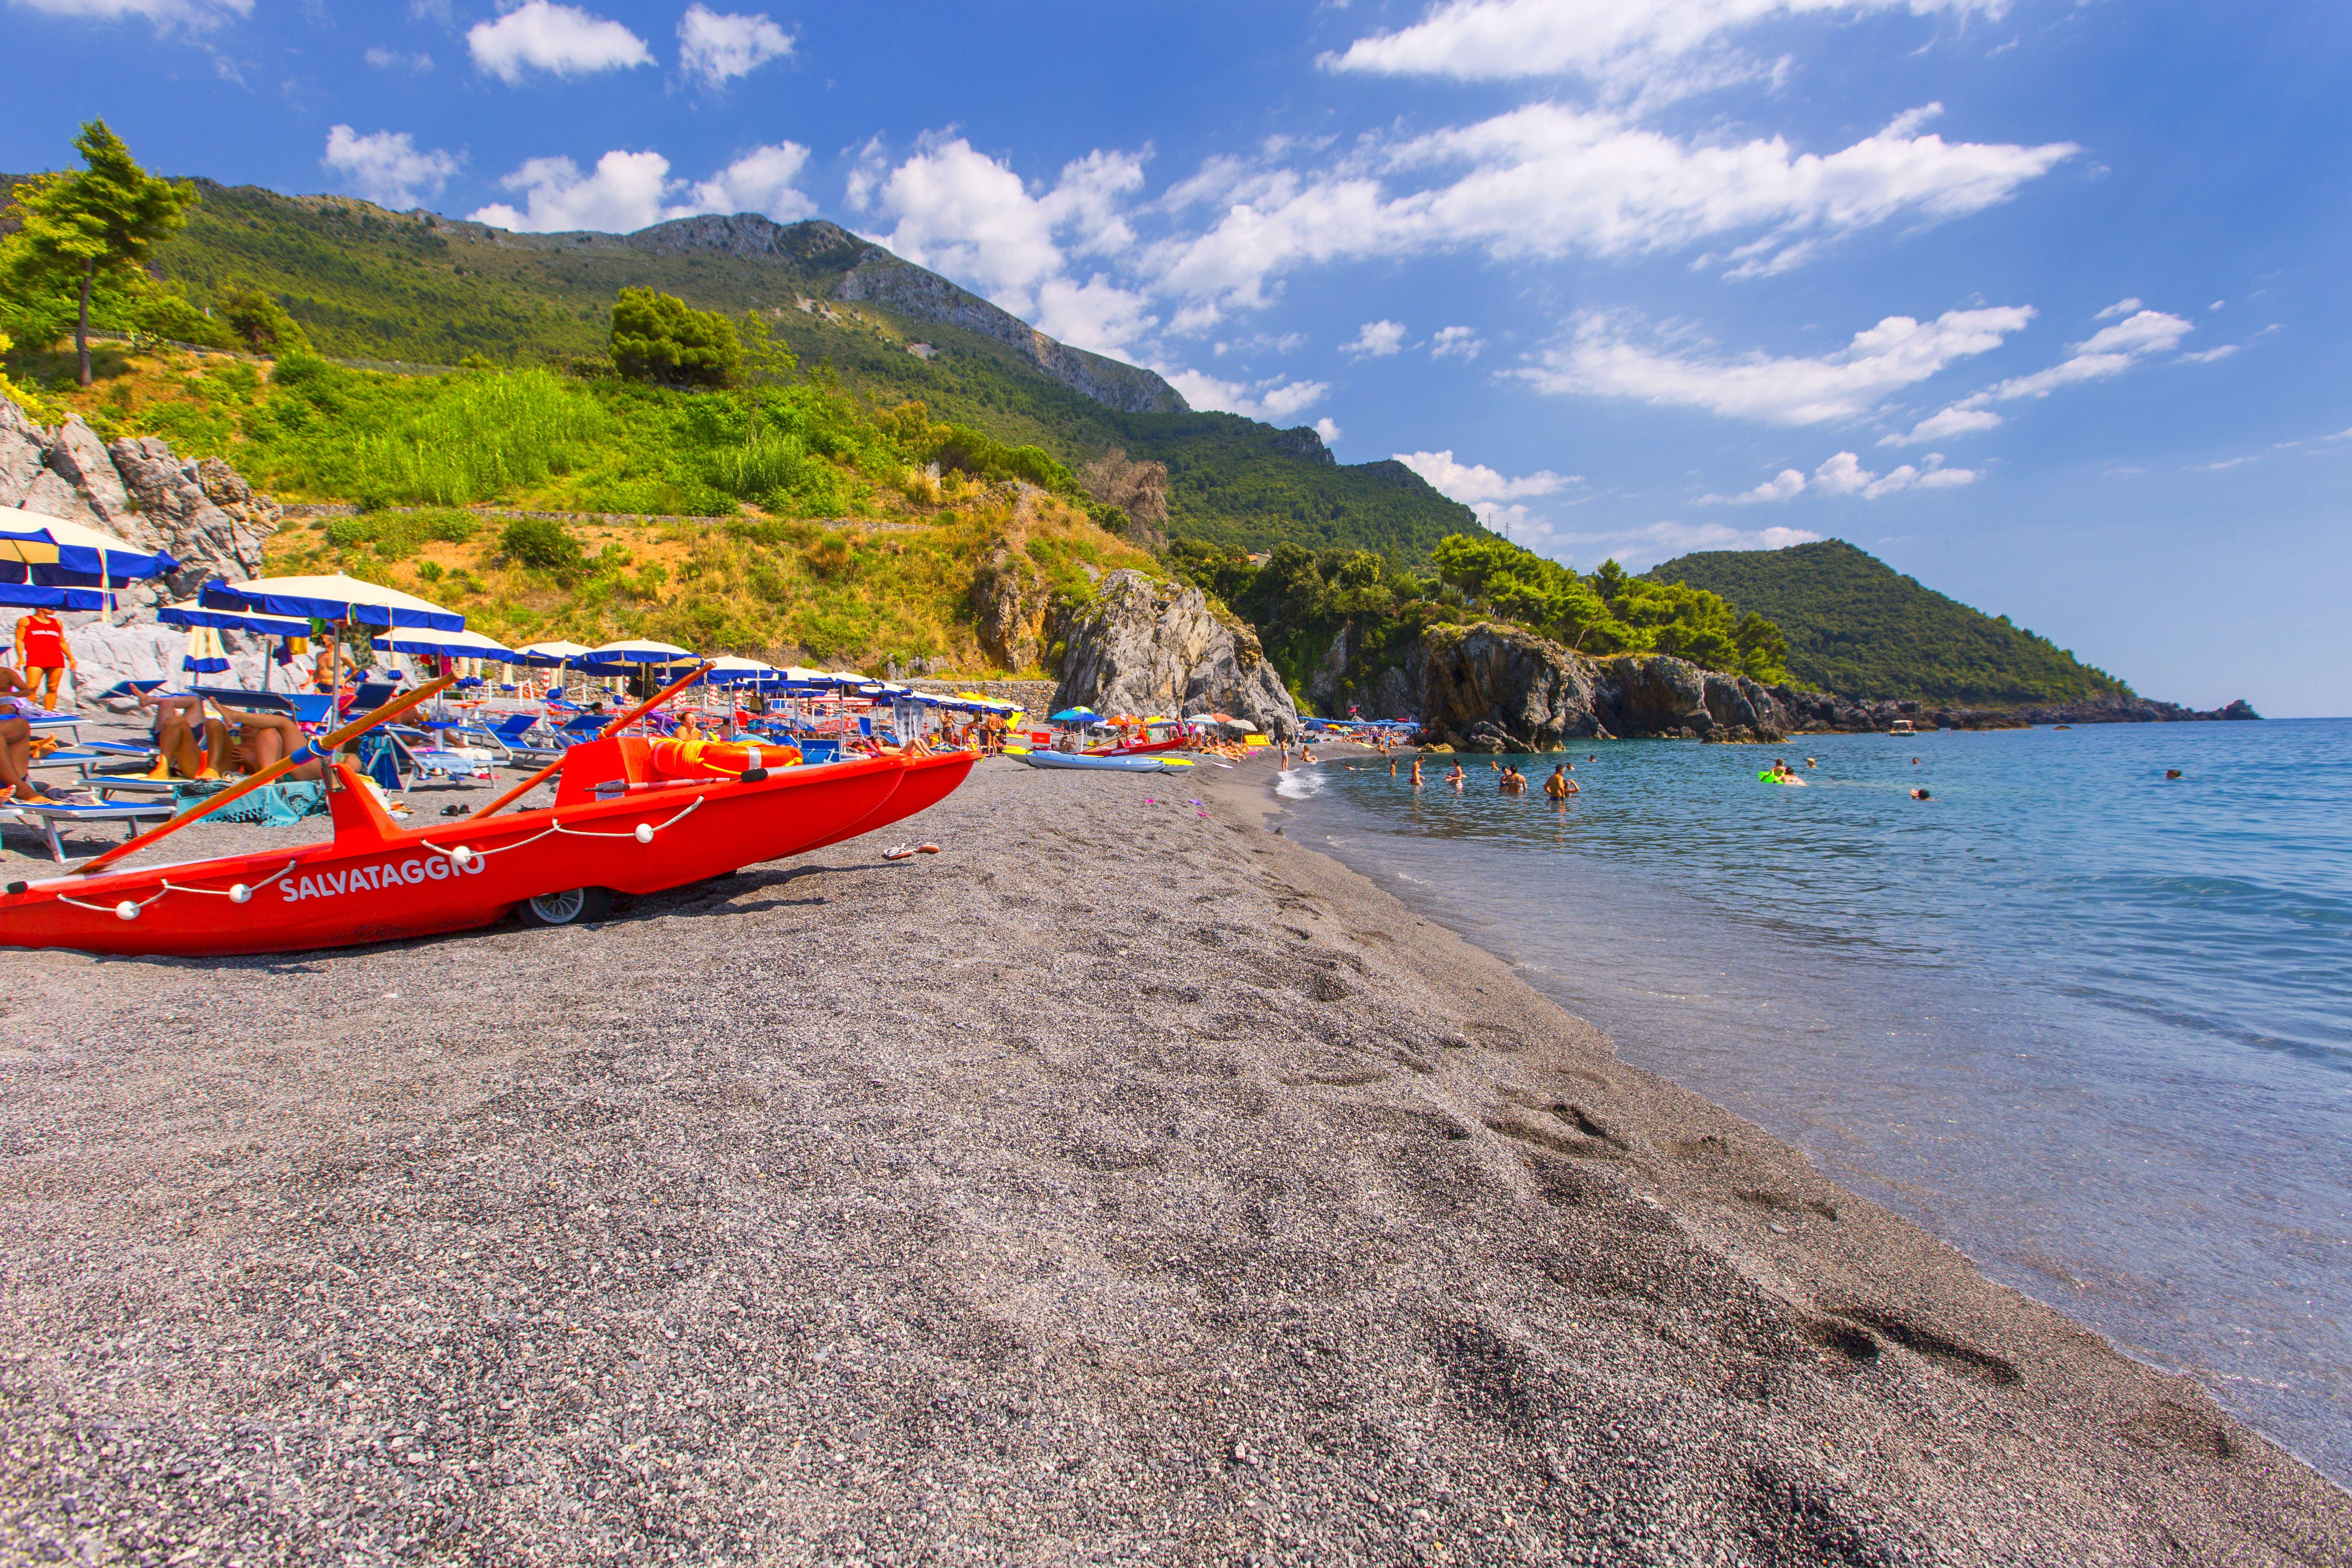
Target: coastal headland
1124,1182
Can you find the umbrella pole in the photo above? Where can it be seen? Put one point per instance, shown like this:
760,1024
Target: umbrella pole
323,750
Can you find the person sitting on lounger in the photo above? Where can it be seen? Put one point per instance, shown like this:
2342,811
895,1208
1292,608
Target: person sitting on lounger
200,747
16,755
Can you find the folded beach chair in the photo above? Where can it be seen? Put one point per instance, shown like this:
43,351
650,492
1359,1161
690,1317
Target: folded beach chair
51,819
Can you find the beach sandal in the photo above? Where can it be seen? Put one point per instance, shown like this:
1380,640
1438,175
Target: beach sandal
897,852
927,848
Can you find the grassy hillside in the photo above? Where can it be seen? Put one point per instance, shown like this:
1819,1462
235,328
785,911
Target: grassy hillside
1856,626
416,289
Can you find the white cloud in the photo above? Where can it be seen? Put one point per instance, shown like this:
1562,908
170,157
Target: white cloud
1548,181
1273,400
717,47
386,168
195,15
1472,483
1638,548
1946,424
393,59
1258,342
1654,48
1786,485
1600,359
1843,475
629,191
2207,356
2108,351
760,181
1328,428
1376,341
562,40
1456,343
960,211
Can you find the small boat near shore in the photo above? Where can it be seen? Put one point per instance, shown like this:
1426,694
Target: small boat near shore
1087,761
619,825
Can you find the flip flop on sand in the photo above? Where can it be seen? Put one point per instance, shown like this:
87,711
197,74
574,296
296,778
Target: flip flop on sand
899,852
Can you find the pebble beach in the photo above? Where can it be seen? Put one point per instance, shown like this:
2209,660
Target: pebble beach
1125,1183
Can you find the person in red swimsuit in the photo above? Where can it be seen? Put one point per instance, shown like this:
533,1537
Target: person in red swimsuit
43,653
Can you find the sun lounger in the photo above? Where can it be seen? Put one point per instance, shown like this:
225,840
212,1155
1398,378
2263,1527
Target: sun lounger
50,819
87,757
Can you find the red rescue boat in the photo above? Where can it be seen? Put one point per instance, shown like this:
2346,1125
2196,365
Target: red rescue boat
616,827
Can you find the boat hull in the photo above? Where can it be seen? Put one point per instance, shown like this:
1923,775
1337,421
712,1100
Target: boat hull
1085,763
372,885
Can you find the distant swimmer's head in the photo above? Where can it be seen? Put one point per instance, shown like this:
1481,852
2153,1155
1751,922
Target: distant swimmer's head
1919,795
2172,773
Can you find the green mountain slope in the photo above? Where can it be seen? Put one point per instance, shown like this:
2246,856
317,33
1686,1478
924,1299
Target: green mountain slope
417,288
1856,626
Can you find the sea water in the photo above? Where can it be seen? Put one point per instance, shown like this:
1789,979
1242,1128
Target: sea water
2090,1024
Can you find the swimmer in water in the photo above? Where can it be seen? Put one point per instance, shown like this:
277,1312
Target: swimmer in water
1513,781
1456,776
1416,771
2172,773
1812,763
1392,767
1919,795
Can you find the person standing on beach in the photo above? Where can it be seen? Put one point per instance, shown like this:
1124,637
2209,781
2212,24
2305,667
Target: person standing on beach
43,653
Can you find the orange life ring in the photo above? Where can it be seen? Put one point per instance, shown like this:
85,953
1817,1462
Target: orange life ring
716,759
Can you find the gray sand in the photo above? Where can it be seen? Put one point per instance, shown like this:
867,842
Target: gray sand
1123,1183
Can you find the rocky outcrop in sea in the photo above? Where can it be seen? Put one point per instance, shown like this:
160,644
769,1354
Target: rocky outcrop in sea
1145,647
1501,689
200,511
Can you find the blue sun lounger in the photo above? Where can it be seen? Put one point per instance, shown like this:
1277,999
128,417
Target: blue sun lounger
49,818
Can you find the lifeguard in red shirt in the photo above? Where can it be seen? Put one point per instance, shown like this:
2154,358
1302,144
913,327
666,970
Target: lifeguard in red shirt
43,653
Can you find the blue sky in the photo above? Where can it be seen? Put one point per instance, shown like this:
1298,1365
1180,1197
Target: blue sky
2040,301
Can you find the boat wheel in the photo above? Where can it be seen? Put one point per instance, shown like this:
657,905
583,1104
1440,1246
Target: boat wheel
573,906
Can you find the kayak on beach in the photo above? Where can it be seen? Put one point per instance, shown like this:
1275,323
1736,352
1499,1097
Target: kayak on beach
1089,763
622,823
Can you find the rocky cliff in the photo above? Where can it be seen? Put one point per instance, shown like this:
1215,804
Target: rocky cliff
901,286
1150,648
1500,688
201,512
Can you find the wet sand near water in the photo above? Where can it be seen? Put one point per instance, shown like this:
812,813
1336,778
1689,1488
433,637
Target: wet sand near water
1124,1182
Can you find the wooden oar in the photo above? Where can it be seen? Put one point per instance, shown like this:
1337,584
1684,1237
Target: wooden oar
609,730
324,750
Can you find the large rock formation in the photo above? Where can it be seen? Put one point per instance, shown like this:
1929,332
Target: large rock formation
1148,647
1501,689
202,512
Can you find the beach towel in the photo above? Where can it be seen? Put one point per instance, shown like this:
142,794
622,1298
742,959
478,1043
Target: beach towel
271,805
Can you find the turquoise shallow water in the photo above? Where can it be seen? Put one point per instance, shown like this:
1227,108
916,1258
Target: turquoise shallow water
2092,1026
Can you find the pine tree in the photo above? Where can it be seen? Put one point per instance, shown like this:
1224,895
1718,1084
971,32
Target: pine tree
96,222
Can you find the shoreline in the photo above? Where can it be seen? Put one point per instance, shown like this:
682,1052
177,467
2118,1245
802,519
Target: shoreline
1129,1179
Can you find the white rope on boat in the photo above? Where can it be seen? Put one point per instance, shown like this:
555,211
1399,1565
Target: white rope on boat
643,832
459,854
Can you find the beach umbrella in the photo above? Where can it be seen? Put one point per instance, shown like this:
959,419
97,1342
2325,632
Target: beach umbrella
206,656
1077,716
450,645
62,565
637,650
338,599
192,612
728,670
545,654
